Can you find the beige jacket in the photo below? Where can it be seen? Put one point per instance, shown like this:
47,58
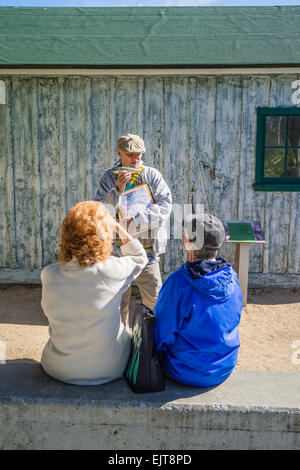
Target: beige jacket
88,344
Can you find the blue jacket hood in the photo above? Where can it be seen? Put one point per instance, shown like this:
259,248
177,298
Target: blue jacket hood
215,279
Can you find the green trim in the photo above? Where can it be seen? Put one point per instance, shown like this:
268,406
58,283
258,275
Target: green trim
263,183
286,143
276,187
279,110
150,36
281,146
260,138
282,180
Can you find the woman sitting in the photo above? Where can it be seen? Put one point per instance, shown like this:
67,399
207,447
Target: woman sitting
81,295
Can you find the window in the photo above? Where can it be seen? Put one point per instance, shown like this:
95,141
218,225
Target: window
278,149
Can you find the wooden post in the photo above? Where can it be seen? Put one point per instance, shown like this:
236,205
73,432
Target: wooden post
242,267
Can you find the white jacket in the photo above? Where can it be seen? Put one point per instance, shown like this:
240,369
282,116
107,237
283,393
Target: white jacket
88,344
155,217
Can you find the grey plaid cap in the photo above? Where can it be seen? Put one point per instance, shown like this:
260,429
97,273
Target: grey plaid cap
204,230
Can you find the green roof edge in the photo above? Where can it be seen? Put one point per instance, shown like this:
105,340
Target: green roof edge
162,36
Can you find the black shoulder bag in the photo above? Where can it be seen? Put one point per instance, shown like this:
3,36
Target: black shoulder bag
144,368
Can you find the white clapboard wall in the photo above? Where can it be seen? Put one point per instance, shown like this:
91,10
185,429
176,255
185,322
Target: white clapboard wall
58,135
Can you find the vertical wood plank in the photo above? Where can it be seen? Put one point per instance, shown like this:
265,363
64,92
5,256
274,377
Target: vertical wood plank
6,180
228,135
26,174
140,109
202,141
176,109
278,205
48,104
88,141
153,123
62,151
293,262
152,112
98,133
124,98
74,139
9,179
250,202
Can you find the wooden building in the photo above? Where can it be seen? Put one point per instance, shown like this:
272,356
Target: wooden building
214,92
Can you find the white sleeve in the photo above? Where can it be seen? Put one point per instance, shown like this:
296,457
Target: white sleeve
124,270
133,252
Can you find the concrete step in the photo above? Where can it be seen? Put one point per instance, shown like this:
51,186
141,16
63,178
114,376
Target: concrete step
251,410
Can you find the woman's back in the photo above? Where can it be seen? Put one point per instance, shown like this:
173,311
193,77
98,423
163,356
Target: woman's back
88,344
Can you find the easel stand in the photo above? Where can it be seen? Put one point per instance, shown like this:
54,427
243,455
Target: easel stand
241,266
242,233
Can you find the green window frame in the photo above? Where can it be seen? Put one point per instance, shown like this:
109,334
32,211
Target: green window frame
290,153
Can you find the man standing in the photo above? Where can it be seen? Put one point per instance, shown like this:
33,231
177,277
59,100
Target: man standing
154,238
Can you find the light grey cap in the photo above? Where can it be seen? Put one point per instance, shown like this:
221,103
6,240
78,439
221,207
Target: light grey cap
131,143
204,230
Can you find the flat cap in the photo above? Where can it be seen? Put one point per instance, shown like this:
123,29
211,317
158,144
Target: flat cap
131,143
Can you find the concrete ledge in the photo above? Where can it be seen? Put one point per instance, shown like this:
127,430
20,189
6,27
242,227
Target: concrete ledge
251,410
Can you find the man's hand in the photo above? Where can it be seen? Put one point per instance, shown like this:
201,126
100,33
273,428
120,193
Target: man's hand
123,178
128,224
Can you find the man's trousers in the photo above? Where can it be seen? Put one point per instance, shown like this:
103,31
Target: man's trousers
149,283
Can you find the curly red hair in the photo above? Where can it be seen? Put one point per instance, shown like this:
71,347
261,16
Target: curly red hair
86,234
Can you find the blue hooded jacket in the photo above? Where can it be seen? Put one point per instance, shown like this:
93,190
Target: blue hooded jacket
197,315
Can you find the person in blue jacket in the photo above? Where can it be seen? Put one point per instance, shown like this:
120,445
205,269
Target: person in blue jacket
198,309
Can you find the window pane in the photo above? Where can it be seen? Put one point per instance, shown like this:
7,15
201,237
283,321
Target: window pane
292,163
274,163
276,130
294,131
